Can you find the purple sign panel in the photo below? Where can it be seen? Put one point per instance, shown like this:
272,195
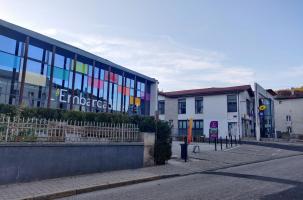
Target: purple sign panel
213,129
213,124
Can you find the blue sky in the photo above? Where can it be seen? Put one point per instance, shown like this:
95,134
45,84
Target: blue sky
184,44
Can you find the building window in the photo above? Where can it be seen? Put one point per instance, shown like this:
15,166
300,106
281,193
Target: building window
182,127
197,127
248,107
182,106
232,129
161,107
199,105
289,129
231,103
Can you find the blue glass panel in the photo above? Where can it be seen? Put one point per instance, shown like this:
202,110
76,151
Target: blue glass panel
128,82
59,61
21,49
115,96
90,70
105,90
7,44
35,52
69,63
138,85
85,86
8,61
96,72
120,80
102,74
132,83
142,87
70,80
33,66
78,81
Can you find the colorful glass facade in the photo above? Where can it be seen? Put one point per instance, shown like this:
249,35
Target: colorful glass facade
37,71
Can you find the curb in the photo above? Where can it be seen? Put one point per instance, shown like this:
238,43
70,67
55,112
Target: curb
73,192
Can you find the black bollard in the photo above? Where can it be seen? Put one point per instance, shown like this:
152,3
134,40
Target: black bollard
231,141
185,143
226,141
215,144
221,143
184,149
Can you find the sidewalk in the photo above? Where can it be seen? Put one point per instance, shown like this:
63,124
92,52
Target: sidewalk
199,162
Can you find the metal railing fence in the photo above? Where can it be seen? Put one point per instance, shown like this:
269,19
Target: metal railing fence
42,130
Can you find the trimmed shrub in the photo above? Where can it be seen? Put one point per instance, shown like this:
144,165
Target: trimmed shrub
163,143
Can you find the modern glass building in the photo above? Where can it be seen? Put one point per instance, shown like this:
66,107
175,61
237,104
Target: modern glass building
38,71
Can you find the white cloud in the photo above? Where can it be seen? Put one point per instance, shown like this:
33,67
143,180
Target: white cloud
175,66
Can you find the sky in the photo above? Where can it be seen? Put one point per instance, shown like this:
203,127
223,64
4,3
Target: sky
183,44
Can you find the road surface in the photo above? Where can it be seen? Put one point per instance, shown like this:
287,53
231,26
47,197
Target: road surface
270,180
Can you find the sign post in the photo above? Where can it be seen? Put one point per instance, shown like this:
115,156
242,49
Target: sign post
213,130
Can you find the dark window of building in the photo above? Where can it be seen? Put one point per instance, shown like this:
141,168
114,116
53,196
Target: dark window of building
161,107
248,107
231,103
197,127
181,106
199,105
182,127
289,129
288,118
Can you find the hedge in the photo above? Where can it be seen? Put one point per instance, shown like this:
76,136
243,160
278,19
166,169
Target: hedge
145,123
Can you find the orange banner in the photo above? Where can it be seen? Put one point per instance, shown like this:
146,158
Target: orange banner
190,131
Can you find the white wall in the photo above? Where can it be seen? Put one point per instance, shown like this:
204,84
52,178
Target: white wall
214,109
292,107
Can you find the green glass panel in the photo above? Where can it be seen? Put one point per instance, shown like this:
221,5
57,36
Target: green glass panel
82,68
59,73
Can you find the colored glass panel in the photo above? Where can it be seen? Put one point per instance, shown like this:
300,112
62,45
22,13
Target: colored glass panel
126,91
116,78
138,101
34,79
119,89
131,100
59,73
81,67
106,75
8,61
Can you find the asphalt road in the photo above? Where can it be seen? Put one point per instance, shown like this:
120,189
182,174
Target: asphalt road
271,180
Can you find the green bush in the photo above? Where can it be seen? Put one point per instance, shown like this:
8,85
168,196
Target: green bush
8,110
163,143
145,123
